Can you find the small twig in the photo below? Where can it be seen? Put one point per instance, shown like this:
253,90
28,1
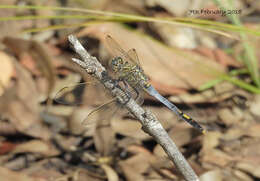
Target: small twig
149,122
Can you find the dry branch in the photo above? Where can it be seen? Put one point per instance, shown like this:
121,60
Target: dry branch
149,122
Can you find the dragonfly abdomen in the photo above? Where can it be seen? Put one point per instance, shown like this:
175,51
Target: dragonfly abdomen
150,90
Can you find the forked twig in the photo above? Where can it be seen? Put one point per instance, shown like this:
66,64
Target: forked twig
149,122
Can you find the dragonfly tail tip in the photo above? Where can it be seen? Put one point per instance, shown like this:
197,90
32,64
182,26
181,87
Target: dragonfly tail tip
204,131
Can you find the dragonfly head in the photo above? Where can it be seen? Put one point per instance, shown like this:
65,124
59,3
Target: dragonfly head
116,64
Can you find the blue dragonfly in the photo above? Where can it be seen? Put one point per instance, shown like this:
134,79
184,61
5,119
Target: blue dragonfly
126,66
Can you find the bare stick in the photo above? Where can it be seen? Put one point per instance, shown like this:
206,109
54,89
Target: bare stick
149,122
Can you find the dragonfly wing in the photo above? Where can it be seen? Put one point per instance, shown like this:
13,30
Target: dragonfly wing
76,94
102,113
132,56
69,95
116,50
105,112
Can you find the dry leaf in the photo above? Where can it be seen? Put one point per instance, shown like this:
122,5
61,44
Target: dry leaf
36,146
22,106
136,166
130,173
211,140
217,157
228,117
242,175
181,136
111,173
181,37
8,175
177,7
254,106
249,167
253,130
104,139
213,175
6,147
32,52
6,70
12,28
130,128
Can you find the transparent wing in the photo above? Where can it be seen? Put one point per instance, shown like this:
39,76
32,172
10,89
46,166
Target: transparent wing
76,94
70,95
105,112
116,50
132,54
102,113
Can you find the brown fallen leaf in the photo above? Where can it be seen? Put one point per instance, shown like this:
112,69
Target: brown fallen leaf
20,105
241,175
6,147
252,168
213,175
8,175
12,28
253,130
217,157
221,92
178,8
225,59
104,138
135,166
254,106
110,173
130,173
128,128
181,136
6,128
205,51
234,134
6,70
36,146
229,117
33,55
211,140
219,56
176,36
208,96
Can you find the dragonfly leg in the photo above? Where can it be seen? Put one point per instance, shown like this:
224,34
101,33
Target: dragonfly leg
125,84
138,98
137,93
127,89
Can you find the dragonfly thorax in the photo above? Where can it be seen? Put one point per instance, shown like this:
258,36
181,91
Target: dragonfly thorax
117,64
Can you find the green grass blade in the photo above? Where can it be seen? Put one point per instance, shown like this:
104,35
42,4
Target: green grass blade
58,27
205,25
209,84
250,59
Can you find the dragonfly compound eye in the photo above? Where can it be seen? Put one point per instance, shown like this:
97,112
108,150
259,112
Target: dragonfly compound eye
116,63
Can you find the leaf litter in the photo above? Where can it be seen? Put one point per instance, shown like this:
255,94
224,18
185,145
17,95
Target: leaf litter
48,142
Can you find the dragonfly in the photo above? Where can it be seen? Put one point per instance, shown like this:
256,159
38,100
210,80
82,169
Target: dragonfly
127,68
